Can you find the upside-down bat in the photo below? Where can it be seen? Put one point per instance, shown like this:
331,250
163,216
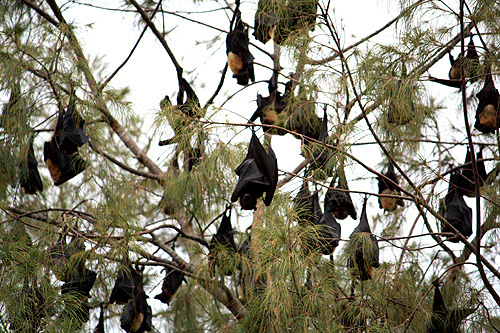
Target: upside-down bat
458,214
321,155
265,20
328,235
29,178
62,257
62,167
171,283
465,181
304,120
277,21
269,108
221,243
386,187
470,63
80,282
258,173
362,249
487,109
100,324
239,58
401,108
444,320
72,135
307,205
340,202
186,110
124,285
137,314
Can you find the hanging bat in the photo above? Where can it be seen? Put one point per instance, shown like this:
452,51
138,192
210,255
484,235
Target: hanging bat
62,167
124,285
465,180
137,314
340,202
265,21
269,108
401,109
458,214
29,178
470,63
100,324
386,187
328,236
221,243
304,120
321,155
258,173
80,282
307,205
171,283
444,320
72,135
188,109
239,58
487,109
362,249
64,265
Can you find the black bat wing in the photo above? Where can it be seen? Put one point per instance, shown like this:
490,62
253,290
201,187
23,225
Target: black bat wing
81,284
72,134
237,42
341,199
124,285
487,96
446,82
458,214
29,178
329,234
252,180
363,225
265,20
225,233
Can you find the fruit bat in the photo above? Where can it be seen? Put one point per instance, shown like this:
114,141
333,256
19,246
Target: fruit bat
188,109
465,179
62,257
470,63
100,325
62,167
340,202
223,241
29,178
258,173
137,314
321,155
486,113
444,320
239,58
171,283
386,187
362,249
304,120
265,20
401,109
328,236
307,205
80,282
270,108
72,135
458,214
124,285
